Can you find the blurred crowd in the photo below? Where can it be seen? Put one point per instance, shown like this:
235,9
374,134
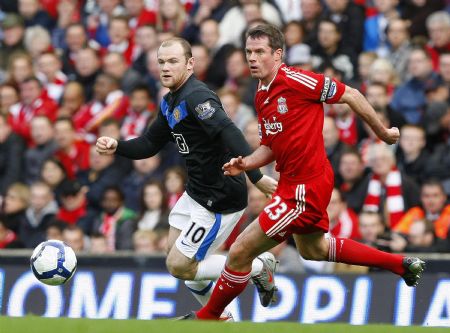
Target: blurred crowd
73,70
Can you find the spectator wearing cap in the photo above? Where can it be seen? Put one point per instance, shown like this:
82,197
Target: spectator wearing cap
409,99
438,26
34,102
32,13
44,146
13,32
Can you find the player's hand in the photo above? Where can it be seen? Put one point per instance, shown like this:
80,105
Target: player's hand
391,136
234,167
267,185
106,145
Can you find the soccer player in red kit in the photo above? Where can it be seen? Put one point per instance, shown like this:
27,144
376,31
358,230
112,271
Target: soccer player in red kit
289,103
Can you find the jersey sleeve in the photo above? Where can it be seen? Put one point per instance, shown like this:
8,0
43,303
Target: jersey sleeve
207,109
315,87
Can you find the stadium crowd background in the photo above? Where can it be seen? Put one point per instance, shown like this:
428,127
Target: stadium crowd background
72,70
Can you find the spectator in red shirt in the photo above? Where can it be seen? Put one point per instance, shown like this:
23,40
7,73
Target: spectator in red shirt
120,35
34,102
343,220
72,152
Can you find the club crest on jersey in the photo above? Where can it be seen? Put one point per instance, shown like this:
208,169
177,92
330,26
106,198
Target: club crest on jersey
177,114
282,106
205,110
274,127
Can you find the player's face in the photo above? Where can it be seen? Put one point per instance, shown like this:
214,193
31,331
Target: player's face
261,59
174,69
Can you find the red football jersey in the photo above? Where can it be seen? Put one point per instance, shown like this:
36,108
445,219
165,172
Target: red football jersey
290,115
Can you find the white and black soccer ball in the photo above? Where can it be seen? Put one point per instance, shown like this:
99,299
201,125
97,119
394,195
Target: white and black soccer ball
53,262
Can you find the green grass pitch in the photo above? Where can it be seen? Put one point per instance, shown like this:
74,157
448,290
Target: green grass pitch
31,324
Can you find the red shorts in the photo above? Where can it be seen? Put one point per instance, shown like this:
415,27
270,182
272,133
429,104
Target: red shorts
298,208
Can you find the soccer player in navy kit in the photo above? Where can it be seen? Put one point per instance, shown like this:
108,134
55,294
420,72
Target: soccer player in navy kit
191,115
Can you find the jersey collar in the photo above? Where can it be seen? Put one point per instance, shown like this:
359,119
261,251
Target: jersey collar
262,87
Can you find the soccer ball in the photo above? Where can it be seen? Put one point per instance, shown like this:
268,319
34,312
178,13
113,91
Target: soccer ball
53,262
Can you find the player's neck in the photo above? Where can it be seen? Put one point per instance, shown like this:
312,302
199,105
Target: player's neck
269,78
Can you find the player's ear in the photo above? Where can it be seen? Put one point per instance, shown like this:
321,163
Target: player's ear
190,63
278,54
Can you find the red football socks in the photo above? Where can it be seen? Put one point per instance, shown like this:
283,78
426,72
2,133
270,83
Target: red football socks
350,252
228,286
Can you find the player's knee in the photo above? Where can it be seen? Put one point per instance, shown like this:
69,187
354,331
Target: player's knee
179,269
238,256
314,252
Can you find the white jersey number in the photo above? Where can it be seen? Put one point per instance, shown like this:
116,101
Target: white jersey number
279,208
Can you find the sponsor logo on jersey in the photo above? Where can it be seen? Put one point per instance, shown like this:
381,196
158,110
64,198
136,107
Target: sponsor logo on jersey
273,127
282,106
332,91
205,110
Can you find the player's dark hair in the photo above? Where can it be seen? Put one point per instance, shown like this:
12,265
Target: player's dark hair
184,44
275,36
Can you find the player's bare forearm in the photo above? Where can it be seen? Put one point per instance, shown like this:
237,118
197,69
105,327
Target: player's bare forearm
362,108
260,157
263,155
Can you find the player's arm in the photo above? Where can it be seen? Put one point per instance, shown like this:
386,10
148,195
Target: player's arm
236,143
147,145
361,107
263,155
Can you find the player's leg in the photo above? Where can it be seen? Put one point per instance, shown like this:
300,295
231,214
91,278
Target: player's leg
316,246
249,244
